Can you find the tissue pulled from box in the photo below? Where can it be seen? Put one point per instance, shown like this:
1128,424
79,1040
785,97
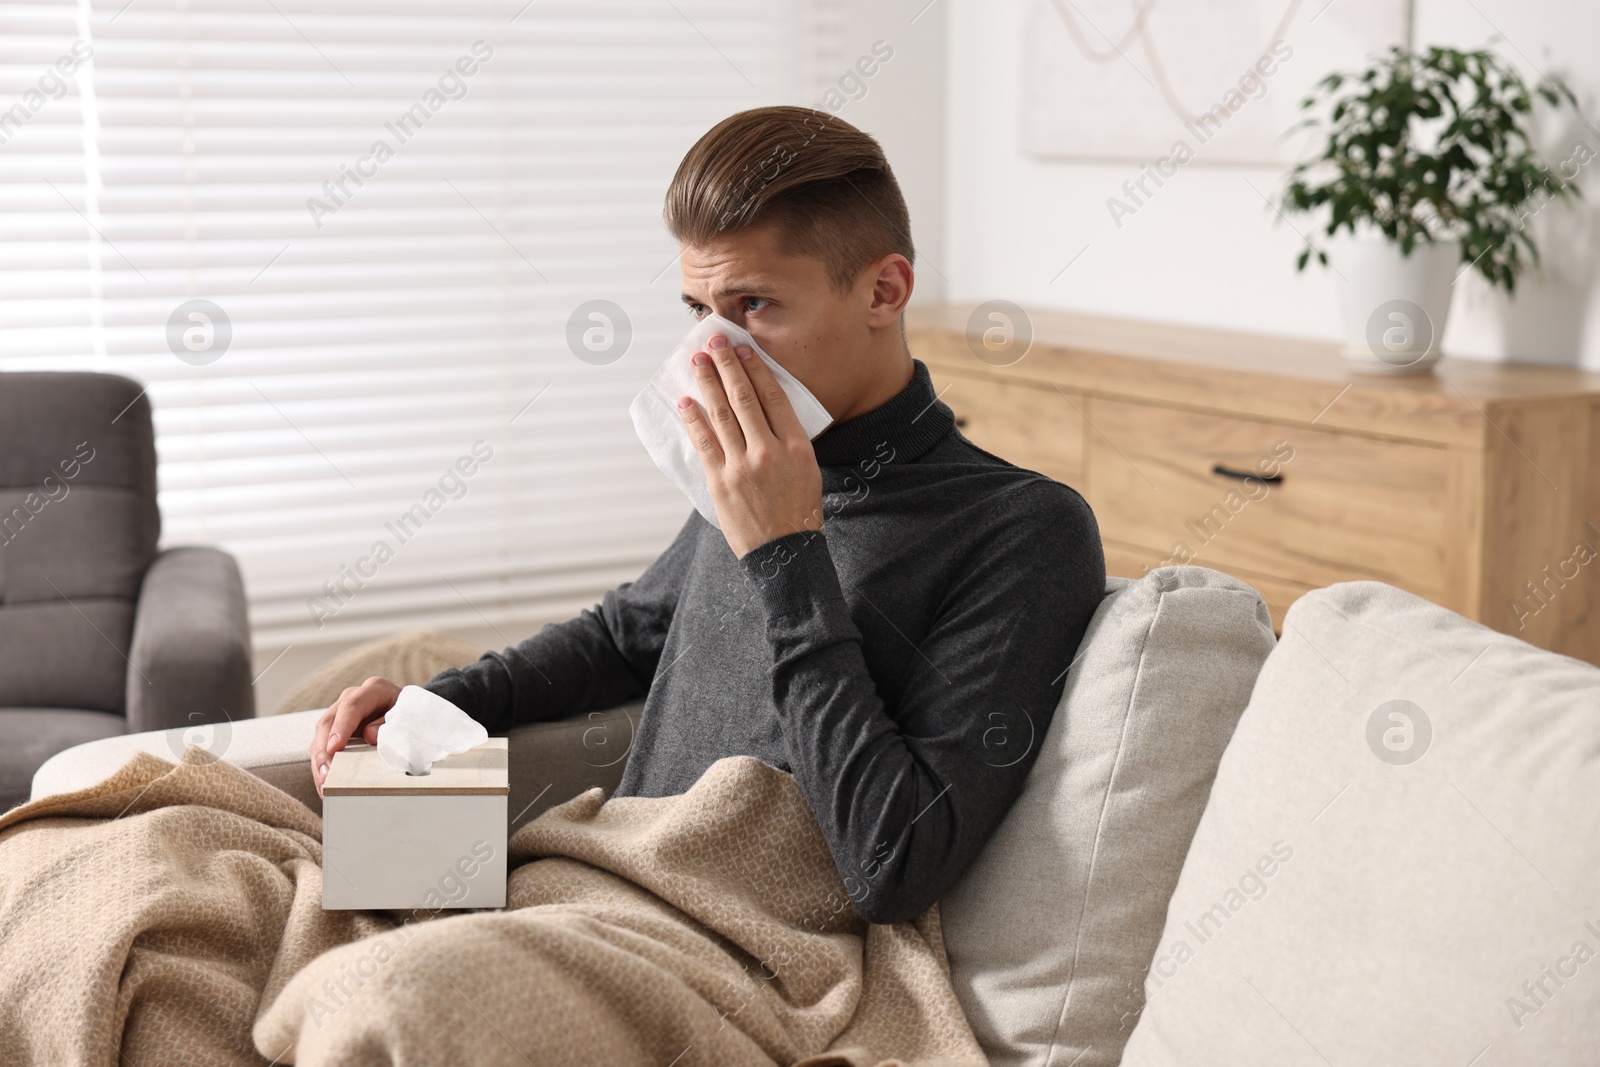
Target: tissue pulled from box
423,727
660,428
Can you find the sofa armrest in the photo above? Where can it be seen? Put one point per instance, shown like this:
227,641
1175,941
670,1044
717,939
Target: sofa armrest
190,660
276,749
550,762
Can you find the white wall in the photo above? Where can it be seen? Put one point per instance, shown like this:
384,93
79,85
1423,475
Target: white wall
902,104
1208,250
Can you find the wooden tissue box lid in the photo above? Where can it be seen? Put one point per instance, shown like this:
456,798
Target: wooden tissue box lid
358,770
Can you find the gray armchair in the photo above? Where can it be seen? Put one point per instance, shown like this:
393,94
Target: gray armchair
101,634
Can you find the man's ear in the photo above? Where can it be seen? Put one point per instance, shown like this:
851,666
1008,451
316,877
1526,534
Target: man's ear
892,279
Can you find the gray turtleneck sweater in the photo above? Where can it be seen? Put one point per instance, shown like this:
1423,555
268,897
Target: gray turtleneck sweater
902,663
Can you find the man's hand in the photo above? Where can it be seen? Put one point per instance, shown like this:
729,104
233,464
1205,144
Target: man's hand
759,465
360,708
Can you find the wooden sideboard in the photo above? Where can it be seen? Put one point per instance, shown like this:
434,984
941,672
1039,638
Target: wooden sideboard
1477,487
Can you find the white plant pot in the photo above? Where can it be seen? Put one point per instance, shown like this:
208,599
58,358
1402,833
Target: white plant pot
1393,307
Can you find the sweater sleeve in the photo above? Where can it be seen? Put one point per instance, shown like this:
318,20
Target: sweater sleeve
906,796
603,657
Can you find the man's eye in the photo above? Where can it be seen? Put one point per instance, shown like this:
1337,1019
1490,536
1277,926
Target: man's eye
697,310
753,300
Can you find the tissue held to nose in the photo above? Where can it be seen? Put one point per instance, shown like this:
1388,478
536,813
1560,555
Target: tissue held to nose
660,428
423,727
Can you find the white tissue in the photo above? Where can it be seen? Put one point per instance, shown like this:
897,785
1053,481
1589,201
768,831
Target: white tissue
660,427
423,727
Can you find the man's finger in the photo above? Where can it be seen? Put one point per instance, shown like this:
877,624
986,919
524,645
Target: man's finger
781,416
354,707
701,435
369,732
319,751
741,392
346,719
719,412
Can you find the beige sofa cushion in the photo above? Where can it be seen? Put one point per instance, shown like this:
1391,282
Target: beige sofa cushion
1050,931
1398,862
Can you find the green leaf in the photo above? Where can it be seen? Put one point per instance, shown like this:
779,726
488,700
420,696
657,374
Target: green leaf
1476,183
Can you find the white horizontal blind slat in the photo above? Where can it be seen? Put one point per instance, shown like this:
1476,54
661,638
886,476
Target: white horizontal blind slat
379,328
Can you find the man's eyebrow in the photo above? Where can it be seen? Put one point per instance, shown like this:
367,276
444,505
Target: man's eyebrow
737,290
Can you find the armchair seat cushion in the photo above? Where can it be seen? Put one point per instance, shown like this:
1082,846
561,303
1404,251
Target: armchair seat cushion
34,735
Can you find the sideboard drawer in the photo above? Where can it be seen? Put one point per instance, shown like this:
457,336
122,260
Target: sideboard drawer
1346,506
1033,426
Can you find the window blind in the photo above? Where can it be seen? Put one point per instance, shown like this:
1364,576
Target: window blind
344,244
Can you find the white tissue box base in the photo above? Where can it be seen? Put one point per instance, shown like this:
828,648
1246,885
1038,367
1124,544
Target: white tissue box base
391,840
401,852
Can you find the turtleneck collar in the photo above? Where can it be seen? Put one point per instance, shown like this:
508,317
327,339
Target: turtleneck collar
910,422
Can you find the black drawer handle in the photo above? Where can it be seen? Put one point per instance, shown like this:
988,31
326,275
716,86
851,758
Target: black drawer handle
961,421
1244,476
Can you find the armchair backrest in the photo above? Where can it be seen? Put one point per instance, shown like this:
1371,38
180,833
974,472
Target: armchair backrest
78,528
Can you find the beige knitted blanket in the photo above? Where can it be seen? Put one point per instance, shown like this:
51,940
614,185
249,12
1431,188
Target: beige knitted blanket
172,914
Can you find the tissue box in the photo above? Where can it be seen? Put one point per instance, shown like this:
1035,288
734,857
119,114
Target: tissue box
393,840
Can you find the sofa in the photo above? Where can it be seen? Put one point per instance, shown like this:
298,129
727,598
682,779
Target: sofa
1372,841
101,632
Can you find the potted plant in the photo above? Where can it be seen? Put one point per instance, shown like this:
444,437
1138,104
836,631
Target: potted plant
1428,167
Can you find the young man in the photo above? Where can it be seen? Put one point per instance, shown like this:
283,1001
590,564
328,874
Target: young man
888,612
